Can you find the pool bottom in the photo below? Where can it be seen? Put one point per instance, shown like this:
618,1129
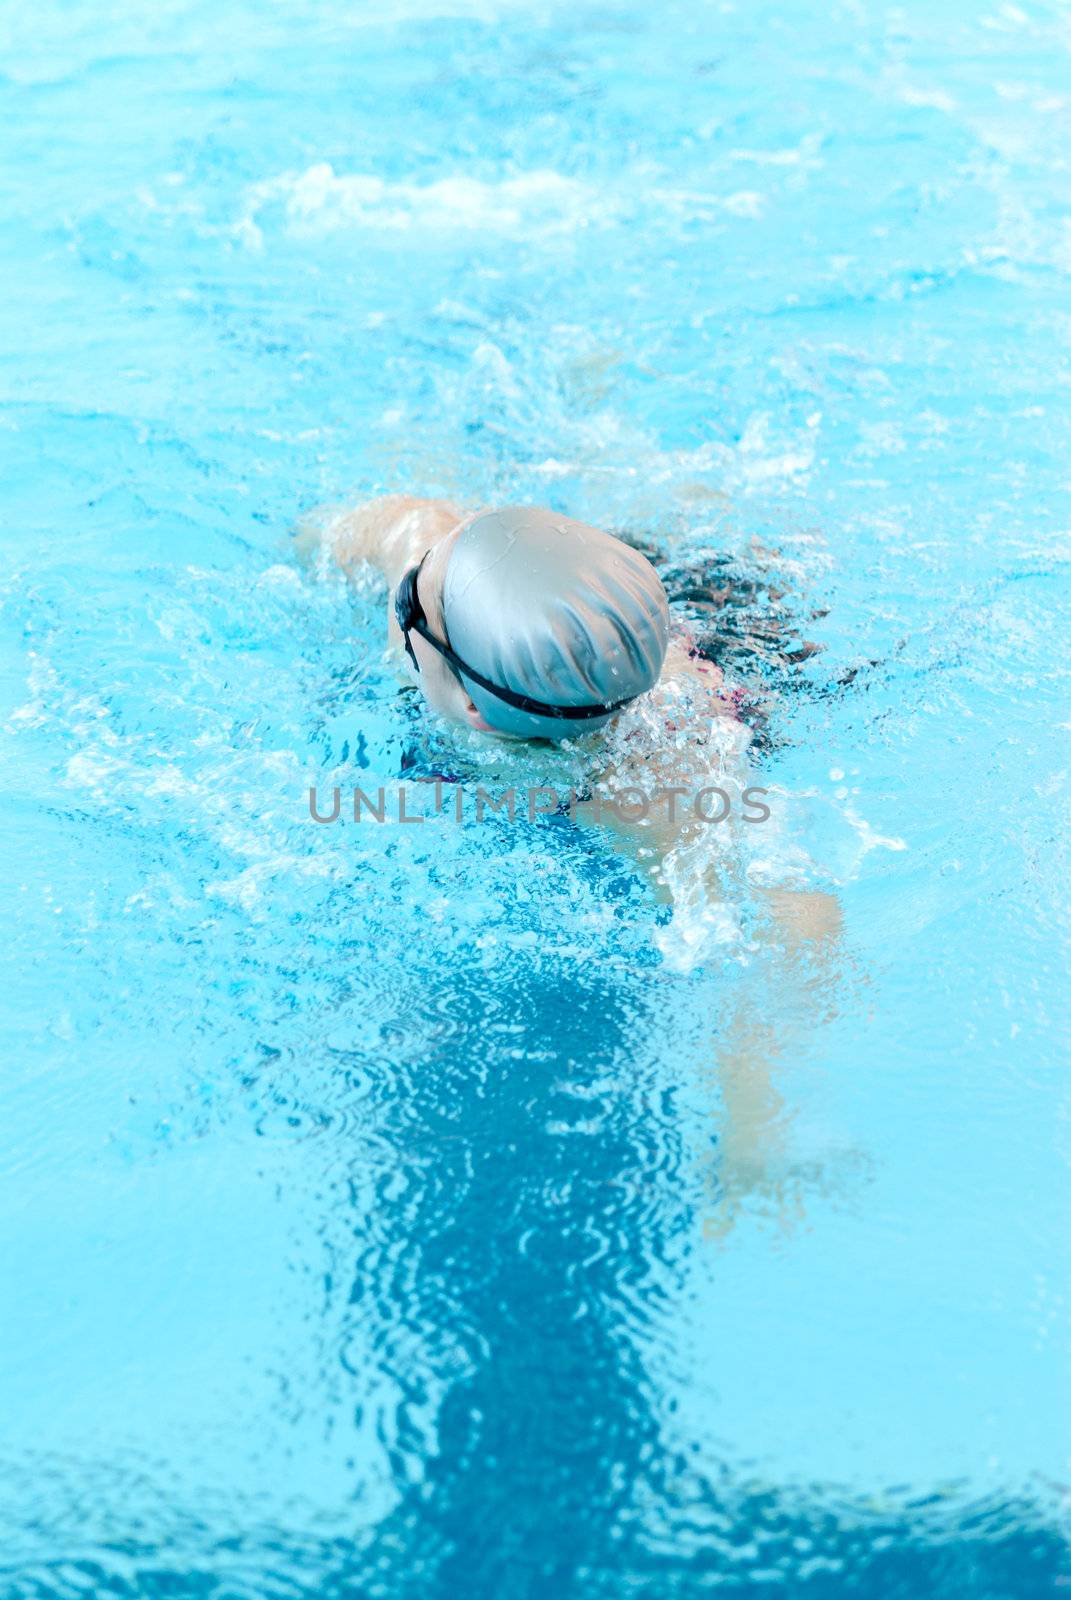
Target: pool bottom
676,1533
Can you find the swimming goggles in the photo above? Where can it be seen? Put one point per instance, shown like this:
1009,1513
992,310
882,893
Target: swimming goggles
411,619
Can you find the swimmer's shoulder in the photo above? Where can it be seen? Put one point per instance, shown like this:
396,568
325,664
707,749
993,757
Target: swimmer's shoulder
688,675
391,533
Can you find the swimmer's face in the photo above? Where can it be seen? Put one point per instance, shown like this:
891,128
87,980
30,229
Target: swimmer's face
442,689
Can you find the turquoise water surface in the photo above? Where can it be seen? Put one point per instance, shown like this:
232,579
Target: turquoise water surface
433,1211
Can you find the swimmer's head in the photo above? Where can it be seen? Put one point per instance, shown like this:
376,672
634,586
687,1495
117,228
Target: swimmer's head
555,614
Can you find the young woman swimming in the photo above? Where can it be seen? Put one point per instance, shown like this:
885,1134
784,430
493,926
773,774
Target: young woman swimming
521,624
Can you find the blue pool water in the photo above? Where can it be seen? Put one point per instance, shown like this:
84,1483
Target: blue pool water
374,1217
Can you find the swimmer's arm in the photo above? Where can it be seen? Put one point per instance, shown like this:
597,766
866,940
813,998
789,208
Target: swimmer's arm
391,533
751,1165
808,922
804,929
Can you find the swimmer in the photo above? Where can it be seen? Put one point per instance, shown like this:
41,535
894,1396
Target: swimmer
520,624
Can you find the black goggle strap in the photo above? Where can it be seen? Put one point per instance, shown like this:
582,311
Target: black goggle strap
410,619
407,607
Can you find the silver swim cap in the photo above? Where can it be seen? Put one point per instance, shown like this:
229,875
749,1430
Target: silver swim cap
556,610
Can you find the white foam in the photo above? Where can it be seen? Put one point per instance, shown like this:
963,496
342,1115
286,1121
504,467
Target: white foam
319,201
805,154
